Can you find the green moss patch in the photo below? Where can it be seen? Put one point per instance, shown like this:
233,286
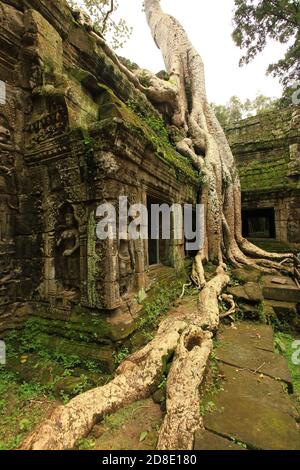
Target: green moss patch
265,175
22,407
150,127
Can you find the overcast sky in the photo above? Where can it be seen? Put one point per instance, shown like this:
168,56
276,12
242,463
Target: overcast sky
209,26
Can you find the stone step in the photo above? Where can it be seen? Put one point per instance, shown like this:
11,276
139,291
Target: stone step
286,313
248,333
280,288
102,355
274,246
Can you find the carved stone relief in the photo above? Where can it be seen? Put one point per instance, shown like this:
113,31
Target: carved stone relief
67,253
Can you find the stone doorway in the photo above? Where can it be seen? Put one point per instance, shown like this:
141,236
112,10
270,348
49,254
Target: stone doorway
259,223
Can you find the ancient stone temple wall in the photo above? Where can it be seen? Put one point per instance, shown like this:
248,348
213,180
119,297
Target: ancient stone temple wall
267,151
74,133
12,116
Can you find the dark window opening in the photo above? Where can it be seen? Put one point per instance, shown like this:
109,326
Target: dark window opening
259,223
191,253
158,250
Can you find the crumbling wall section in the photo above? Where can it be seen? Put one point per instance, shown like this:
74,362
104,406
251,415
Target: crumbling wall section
267,151
73,134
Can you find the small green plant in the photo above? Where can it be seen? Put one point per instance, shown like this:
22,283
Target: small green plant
207,407
68,361
29,391
238,443
163,382
154,122
82,386
279,325
212,386
261,314
144,80
158,126
24,424
92,366
65,397
85,444
157,306
121,355
21,408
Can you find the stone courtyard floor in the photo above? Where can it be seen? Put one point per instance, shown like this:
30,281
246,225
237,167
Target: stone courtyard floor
252,409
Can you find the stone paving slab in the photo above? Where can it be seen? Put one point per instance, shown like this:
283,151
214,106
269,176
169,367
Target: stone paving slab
205,440
249,333
248,385
253,411
250,358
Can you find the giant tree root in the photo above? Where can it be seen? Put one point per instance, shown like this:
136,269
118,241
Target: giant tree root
138,376
185,377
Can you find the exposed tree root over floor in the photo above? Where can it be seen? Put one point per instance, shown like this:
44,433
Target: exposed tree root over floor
189,338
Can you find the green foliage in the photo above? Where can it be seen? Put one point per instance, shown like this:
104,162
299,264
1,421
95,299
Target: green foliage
163,75
207,407
156,123
212,386
162,384
157,306
92,366
102,14
283,345
82,386
230,113
85,444
144,79
238,443
235,109
21,408
158,126
261,314
280,326
130,65
24,404
121,355
28,341
287,98
153,128
255,22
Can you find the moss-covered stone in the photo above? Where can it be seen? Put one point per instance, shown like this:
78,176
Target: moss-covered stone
102,355
260,415
111,107
67,386
263,147
247,274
